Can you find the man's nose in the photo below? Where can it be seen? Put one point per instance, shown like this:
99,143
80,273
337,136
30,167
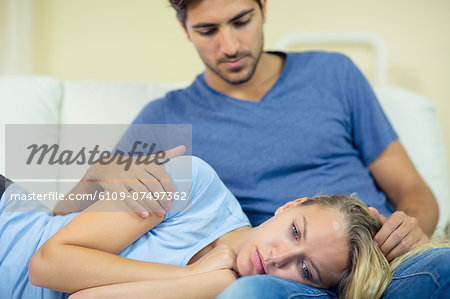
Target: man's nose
285,254
229,43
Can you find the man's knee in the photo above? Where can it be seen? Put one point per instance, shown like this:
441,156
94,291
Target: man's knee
422,277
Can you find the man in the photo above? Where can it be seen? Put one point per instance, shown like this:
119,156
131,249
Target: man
278,126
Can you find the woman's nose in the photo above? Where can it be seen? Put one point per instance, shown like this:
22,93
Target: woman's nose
283,255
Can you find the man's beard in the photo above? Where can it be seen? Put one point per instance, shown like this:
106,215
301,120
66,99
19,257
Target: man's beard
253,60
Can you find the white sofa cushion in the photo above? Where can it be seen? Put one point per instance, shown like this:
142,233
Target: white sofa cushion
108,102
28,100
414,118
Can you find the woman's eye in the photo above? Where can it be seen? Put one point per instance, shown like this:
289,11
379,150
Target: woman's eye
305,271
294,231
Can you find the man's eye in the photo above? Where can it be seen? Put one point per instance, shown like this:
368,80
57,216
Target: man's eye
207,32
242,23
305,271
294,231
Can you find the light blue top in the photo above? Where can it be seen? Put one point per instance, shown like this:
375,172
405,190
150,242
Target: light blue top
184,232
314,132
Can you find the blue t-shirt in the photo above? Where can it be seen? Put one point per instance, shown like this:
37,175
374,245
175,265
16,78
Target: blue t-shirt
213,212
314,132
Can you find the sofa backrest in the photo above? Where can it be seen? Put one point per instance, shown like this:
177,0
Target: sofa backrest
28,100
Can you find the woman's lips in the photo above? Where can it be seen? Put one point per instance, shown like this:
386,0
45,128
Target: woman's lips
258,261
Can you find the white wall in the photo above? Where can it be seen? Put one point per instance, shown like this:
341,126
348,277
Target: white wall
140,39
16,42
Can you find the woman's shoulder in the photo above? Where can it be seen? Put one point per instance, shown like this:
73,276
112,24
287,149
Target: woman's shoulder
205,191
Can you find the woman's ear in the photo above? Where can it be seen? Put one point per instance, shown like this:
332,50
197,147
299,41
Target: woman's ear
290,204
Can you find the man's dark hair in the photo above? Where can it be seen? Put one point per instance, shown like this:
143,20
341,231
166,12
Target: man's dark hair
180,7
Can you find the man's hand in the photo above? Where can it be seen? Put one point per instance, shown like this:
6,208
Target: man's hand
142,180
398,234
220,258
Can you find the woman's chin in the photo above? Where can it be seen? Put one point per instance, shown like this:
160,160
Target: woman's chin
244,267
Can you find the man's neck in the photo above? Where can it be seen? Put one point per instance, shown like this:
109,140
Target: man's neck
266,74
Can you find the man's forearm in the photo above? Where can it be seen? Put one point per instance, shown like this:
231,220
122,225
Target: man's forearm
419,202
397,177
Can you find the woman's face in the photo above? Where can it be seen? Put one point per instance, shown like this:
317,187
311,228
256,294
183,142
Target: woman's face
307,244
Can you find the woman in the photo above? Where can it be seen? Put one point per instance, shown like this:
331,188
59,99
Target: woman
194,251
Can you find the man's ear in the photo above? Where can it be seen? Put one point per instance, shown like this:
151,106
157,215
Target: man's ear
263,9
290,204
183,27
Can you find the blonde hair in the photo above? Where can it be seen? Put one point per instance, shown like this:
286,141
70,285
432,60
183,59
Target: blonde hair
369,272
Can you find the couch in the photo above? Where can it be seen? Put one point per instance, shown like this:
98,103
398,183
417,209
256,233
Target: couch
49,100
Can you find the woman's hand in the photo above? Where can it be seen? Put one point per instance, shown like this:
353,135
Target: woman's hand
220,258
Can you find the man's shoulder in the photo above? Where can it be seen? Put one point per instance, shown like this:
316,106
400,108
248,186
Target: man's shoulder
158,107
319,63
174,95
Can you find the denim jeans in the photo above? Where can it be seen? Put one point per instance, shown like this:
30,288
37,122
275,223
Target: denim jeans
425,276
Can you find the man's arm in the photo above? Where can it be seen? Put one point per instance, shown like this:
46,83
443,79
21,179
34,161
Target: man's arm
417,210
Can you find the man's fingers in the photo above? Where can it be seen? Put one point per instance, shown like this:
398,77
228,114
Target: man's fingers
389,226
147,187
137,208
377,214
373,211
407,243
155,189
175,151
143,206
160,176
394,239
167,189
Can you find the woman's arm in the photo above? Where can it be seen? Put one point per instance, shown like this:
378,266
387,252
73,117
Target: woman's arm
83,253
205,285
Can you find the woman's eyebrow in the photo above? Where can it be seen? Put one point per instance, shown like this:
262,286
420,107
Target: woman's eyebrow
304,232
